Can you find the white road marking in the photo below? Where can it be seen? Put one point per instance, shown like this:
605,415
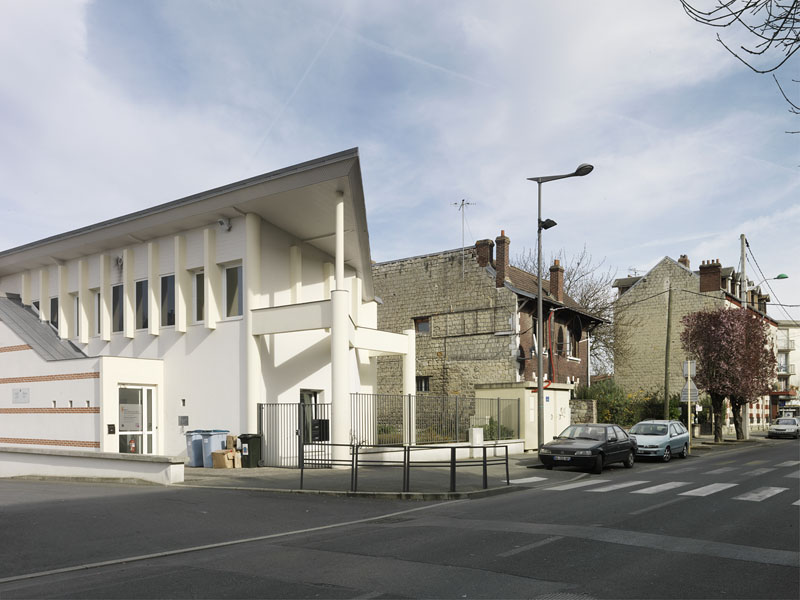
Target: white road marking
577,484
789,463
664,487
796,503
529,480
761,471
617,486
794,475
761,494
554,538
707,490
720,471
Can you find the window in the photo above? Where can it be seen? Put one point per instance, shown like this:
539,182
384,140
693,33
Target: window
117,315
54,312
199,297
422,325
77,312
560,346
141,305
423,383
97,313
167,300
233,291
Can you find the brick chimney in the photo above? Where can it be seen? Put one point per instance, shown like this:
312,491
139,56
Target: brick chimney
484,249
557,281
501,258
710,276
684,260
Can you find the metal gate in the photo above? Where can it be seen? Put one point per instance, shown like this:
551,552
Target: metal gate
295,433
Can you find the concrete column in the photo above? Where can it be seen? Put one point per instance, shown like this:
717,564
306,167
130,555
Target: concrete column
328,280
84,301
44,294
296,274
340,345
251,275
25,293
128,294
105,298
212,279
410,389
153,290
65,309
183,286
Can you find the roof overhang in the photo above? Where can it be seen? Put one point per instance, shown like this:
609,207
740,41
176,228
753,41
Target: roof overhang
300,200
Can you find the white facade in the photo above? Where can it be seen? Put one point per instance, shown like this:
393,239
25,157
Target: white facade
252,292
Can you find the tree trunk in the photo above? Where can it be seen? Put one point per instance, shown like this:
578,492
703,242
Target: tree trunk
717,406
736,409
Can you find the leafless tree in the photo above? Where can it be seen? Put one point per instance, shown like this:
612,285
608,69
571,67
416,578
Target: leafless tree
588,282
772,28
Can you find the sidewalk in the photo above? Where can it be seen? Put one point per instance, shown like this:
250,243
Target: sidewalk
425,483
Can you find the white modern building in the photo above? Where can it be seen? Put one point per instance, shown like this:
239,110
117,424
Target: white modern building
124,335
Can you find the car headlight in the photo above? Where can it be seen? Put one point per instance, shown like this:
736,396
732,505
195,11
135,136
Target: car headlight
544,450
583,453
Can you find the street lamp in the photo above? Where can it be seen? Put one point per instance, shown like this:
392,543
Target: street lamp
583,169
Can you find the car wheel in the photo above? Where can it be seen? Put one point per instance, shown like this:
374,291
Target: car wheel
685,452
628,462
598,465
667,454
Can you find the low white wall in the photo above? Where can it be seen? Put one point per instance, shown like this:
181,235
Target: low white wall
34,462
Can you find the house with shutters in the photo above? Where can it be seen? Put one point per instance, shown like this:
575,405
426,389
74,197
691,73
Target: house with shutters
122,336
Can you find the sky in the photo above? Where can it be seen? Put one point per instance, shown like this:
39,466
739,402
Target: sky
113,106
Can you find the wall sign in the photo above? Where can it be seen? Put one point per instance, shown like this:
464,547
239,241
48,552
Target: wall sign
20,396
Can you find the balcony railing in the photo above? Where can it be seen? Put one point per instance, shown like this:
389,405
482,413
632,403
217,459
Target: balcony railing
786,369
785,344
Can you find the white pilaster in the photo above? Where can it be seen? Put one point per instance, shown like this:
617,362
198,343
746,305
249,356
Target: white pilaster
105,298
153,289
65,308
84,301
296,274
212,279
128,294
183,286
340,344
44,294
25,293
251,275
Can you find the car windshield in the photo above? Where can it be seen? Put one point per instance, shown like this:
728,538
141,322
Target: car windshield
649,429
785,422
584,432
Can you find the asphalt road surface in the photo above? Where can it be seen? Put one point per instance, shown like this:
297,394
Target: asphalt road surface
722,525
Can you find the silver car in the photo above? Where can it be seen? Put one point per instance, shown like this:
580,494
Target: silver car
662,439
785,427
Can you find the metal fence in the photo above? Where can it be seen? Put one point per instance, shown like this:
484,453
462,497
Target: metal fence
382,419
295,434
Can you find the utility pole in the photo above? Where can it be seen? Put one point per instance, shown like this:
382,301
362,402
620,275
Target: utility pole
666,352
743,292
462,207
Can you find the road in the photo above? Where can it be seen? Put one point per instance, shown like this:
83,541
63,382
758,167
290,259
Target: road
722,525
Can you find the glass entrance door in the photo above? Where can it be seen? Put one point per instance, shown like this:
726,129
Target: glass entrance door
136,422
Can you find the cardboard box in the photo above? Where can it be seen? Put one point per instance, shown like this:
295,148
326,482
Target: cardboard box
226,459
230,442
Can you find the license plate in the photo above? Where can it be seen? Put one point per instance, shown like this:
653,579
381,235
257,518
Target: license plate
562,457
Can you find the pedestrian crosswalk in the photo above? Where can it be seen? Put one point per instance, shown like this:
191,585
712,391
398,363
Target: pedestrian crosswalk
741,474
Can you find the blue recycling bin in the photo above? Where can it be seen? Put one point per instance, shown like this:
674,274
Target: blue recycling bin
194,448
213,440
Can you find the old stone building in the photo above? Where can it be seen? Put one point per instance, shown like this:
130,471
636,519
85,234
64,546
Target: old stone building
641,319
475,320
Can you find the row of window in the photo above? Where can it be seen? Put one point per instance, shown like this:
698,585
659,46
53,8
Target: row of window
232,291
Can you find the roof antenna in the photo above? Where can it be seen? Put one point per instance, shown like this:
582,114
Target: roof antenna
462,206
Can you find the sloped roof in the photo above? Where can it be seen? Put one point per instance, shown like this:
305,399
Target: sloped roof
41,337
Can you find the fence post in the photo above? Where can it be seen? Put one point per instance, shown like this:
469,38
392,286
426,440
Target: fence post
453,469
458,418
300,458
497,434
508,480
354,468
485,478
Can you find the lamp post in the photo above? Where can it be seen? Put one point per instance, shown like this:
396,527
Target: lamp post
583,169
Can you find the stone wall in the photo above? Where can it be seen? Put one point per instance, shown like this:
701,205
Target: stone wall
583,411
473,336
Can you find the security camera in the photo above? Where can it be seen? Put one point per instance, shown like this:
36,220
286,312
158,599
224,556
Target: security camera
224,222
